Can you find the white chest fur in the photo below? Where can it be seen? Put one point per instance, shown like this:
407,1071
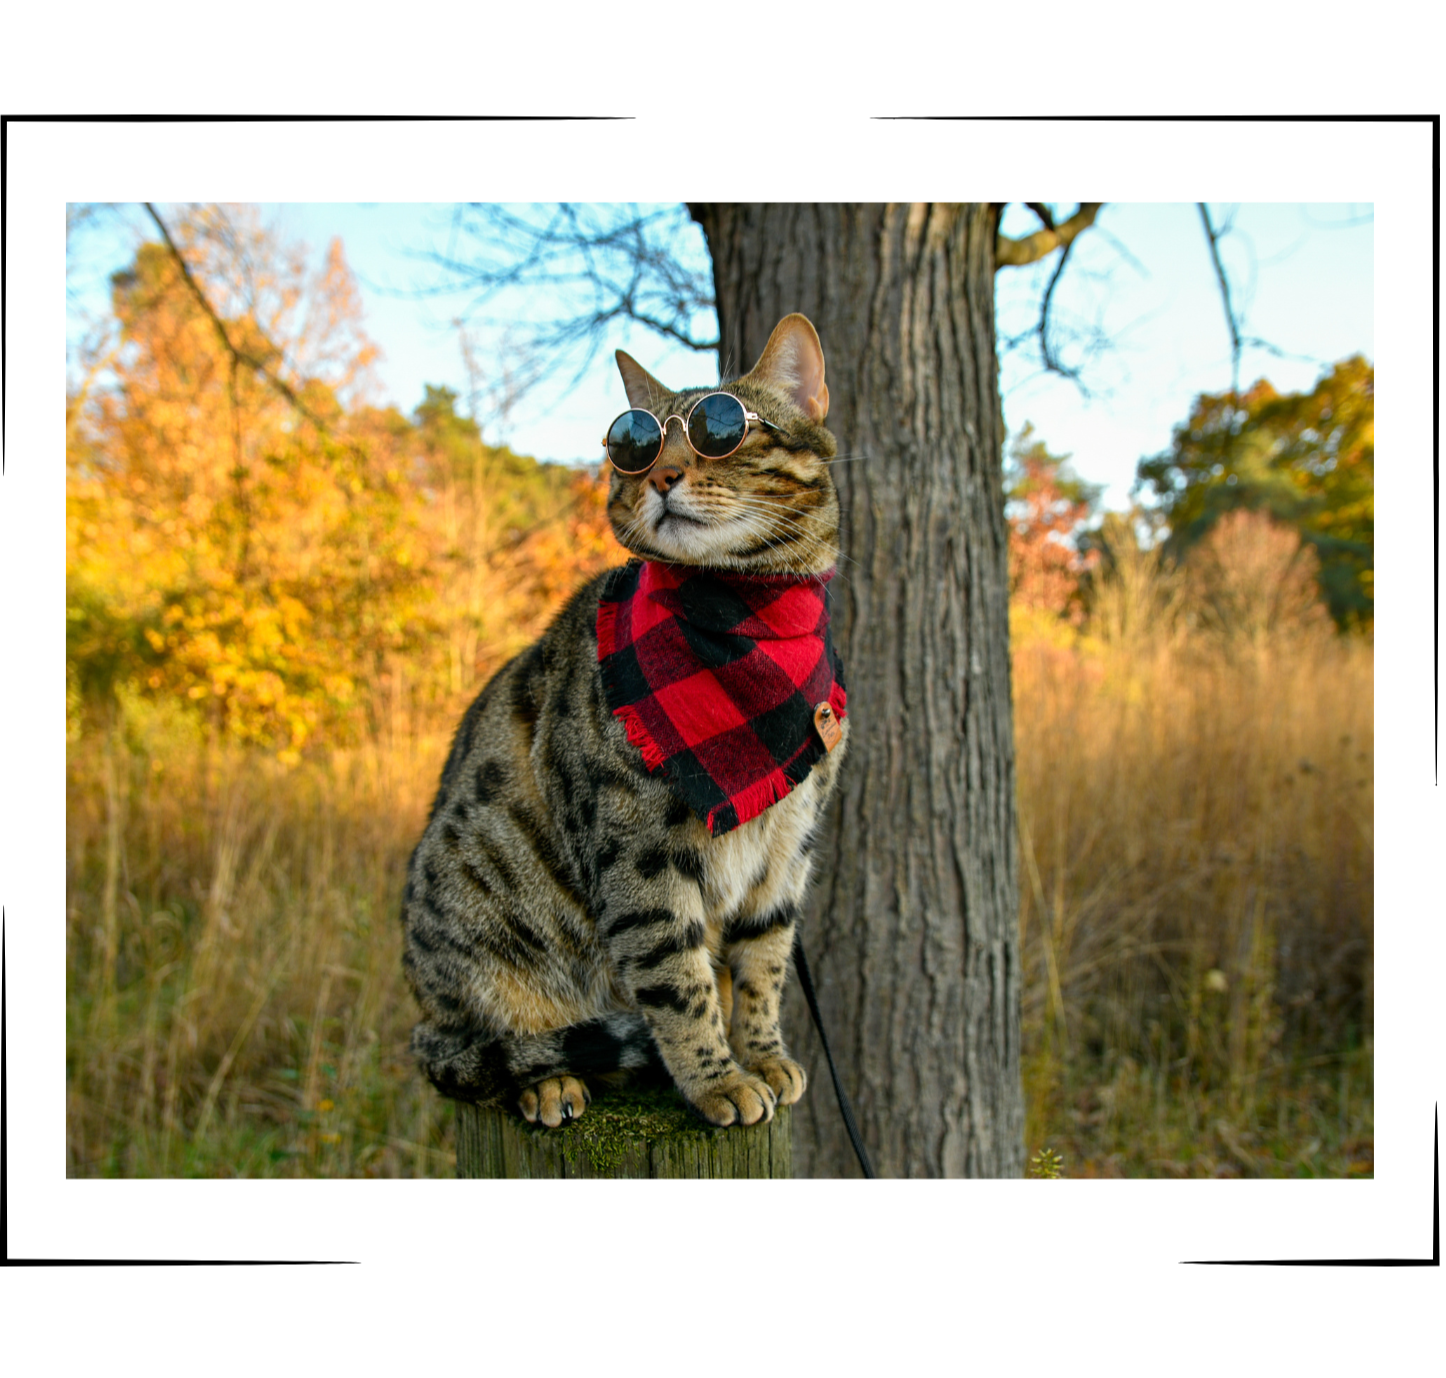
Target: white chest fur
761,863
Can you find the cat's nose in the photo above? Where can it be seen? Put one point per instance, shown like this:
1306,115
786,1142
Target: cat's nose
664,478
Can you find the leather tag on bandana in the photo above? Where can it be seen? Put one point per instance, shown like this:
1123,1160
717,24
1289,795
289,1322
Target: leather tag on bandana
825,723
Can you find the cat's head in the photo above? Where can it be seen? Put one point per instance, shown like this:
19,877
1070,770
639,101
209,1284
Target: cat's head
770,507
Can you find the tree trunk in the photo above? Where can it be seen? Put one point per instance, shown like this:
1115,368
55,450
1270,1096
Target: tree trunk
913,934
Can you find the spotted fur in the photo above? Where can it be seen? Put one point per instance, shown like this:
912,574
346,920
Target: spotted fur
566,917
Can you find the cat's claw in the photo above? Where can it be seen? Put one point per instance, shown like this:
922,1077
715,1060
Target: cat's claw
554,1102
740,1098
785,1078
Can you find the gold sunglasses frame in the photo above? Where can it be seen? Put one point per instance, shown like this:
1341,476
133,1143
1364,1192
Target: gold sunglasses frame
749,417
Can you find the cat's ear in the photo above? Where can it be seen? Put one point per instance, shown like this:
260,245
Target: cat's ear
642,388
792,362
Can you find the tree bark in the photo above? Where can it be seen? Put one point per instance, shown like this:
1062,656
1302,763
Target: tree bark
913,934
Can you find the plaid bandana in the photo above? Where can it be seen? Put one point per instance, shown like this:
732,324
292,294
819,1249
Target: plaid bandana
716,678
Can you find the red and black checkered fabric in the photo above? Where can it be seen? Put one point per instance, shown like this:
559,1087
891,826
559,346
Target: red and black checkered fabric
716,678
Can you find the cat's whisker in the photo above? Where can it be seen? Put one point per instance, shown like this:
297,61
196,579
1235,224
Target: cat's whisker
805,540
781,521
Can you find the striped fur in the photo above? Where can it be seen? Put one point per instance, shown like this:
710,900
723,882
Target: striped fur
566,917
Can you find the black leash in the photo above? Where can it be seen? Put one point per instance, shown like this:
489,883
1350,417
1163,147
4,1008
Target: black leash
800,963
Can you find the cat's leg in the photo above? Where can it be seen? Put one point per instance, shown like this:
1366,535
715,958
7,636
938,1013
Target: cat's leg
550,1070
756,946
527,1070
462,1060
723,978
651,920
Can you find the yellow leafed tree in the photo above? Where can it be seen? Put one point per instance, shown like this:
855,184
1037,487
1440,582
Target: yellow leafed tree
249,535
251,556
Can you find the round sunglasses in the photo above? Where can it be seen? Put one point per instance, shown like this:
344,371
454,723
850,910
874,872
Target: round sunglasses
715,426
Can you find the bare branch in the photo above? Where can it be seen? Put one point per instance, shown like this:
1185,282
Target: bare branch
1015,253
1050,361
1231,320
1349,223
620,268
1122,249
237,355
590,267
1044,329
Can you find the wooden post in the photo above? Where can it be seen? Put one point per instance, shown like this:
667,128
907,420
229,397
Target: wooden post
627,1133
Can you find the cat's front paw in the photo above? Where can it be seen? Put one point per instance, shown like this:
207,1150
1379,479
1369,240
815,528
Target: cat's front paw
785,1078
554,1102
738,1098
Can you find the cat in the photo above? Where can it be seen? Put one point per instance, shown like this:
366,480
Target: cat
589,899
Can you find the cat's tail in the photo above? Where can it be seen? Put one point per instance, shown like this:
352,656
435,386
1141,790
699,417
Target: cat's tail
492,1069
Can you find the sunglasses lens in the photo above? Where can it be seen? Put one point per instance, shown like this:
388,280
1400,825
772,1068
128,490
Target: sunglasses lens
634,441
717,425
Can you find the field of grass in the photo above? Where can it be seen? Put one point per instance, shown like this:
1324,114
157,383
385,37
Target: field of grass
1196,899
1195,834
236,1000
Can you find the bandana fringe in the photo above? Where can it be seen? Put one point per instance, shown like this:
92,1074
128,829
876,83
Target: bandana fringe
757,797
640,737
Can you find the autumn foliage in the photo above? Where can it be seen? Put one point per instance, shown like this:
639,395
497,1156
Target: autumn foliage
1047,507
1306,460
293,569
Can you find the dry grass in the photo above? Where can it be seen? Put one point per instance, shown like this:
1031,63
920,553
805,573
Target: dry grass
236,1002
1195,816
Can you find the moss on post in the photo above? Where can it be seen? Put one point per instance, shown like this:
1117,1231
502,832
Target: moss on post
629,1133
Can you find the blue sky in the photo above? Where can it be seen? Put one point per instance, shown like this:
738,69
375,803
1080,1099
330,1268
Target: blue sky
1141,279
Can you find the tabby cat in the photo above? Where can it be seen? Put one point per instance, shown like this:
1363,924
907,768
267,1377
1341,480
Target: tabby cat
617,852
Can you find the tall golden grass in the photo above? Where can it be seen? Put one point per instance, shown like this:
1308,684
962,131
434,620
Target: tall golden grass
236,1002
1195,826
1195,814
